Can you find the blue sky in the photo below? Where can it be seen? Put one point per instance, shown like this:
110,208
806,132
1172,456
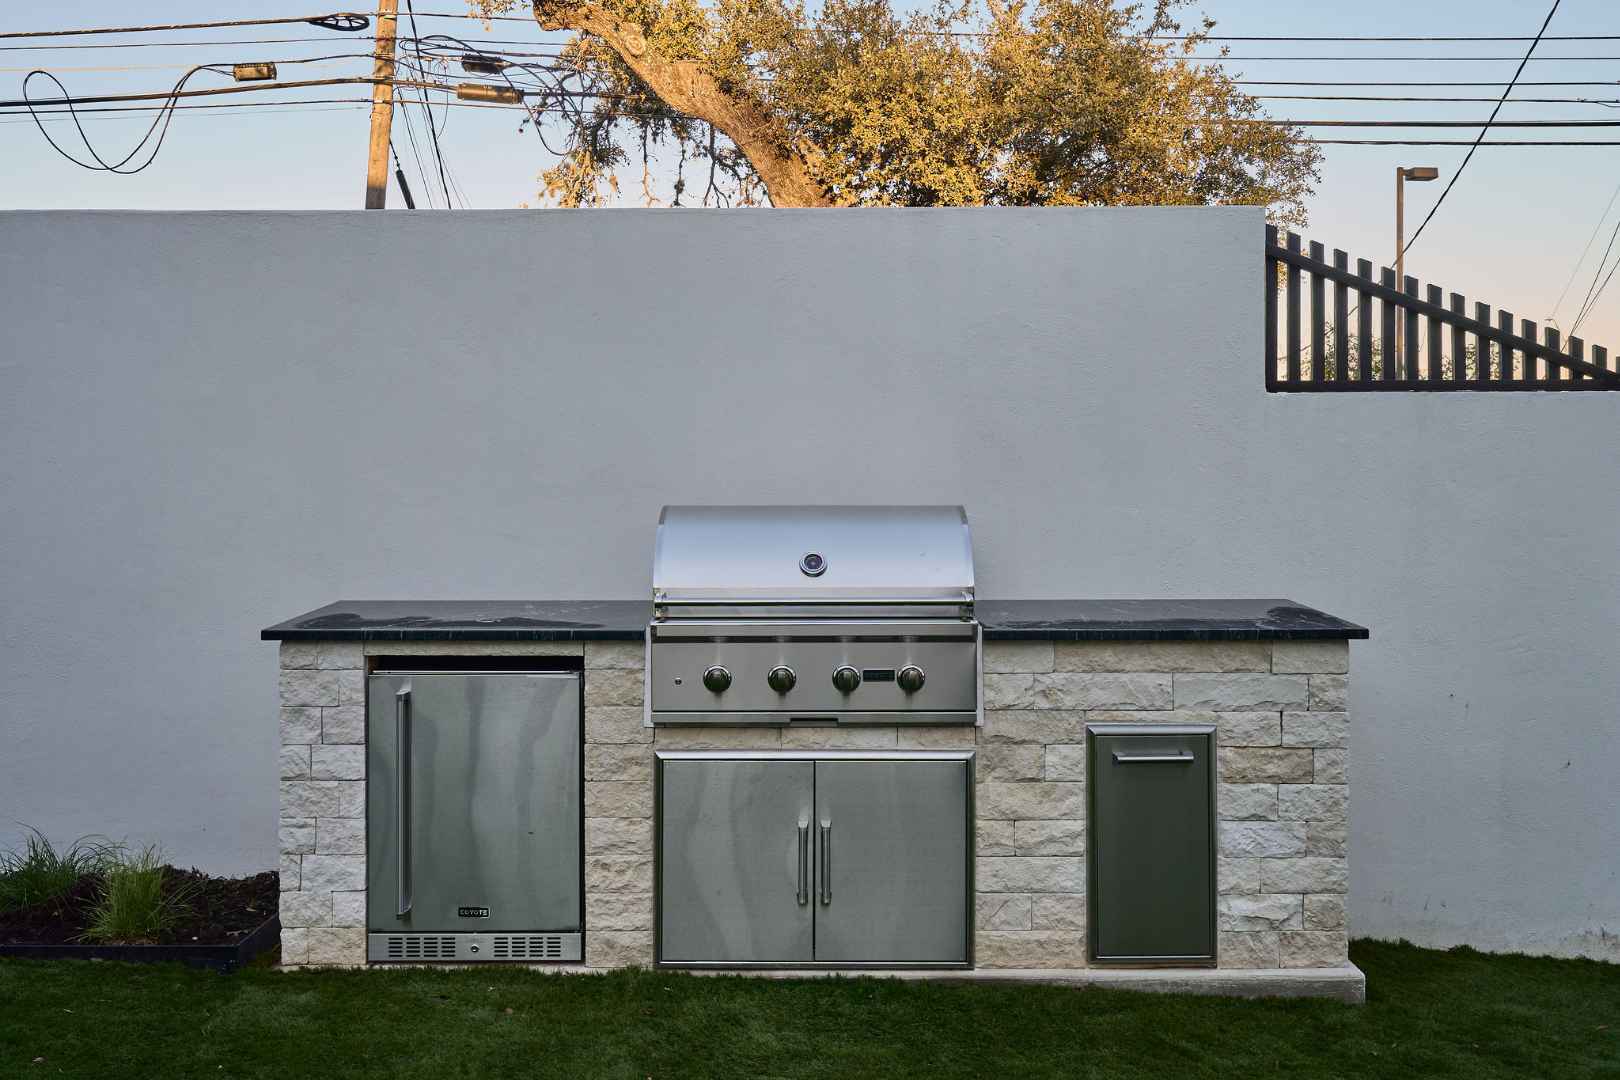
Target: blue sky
1509,234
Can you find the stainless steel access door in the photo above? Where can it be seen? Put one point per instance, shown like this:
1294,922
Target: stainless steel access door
892,862
734,865
1152,849
473,802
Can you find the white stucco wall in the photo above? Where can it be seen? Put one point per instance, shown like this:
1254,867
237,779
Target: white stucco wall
211,422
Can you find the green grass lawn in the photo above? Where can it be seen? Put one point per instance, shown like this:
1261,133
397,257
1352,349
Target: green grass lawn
1453,1014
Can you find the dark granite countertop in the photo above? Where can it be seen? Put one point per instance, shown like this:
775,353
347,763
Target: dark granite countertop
626,620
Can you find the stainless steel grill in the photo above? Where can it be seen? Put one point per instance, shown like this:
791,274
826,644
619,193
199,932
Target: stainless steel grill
813,615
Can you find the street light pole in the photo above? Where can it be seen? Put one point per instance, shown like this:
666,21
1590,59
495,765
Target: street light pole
1402,175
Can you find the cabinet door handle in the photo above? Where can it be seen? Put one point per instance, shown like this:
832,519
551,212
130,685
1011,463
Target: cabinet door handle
402,808
804,863
1126,759
826,863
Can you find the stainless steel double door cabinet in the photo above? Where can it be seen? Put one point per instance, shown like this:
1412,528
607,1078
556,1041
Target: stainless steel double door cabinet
1152,849
474,814
814,859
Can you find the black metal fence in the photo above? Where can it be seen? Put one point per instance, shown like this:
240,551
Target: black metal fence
1420,343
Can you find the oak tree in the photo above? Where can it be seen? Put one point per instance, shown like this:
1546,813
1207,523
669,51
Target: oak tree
1025,102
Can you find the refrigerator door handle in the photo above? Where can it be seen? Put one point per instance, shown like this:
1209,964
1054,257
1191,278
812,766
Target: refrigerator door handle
402,770
826,863
803,895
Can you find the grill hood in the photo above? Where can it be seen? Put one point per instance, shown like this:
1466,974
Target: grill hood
868,555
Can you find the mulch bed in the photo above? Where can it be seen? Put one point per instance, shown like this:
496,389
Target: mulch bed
222,911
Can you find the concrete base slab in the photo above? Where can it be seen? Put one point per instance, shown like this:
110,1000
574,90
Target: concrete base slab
1346,983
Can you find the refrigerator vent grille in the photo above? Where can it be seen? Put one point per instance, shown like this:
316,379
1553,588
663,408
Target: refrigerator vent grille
528,947
421,947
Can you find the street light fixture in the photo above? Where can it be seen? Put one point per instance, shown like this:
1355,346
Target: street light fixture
1402,175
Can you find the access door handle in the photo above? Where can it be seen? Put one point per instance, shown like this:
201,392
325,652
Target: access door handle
826,862
1130,759
804,863
402,808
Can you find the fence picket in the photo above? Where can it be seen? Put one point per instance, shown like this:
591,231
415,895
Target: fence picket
1364,323
1271,310
1504,325
1318,318
1409,369
1437,297
1527,330
1341,320
1386,347
1459,342
1293,311
1522,360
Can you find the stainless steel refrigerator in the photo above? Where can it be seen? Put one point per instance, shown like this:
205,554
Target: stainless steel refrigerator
474,816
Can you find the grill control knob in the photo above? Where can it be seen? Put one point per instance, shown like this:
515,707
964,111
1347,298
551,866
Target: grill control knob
717,679
910,678
782,679
846,679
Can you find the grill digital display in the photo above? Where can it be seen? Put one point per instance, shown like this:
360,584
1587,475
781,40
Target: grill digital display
884,674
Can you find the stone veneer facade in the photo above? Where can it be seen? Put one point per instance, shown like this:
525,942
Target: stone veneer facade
1279,709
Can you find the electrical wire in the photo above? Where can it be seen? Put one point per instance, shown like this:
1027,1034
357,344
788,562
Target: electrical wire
1402,59
438,154
342,22
1586,303
1482,131
416,153
1459,142
1596,228
1460,37
187,44
1593,303
1377,97
1352,82
159,127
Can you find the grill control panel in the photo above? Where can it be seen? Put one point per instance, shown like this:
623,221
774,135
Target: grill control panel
803,678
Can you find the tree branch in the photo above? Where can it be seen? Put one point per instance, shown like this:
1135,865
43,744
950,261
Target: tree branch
685,87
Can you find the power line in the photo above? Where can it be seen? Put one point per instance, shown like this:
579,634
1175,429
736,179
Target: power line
1593,303
1461,37
1378,97
1397,59
1459,142
188,44
220,110
425,85
1589,299
1470,155
342,22
1596,228
1416,123
438,154
1353,82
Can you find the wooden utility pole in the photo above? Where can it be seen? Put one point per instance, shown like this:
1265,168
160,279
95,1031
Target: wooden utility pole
382,106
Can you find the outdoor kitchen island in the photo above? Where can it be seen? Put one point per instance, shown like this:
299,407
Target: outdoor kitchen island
1261,683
